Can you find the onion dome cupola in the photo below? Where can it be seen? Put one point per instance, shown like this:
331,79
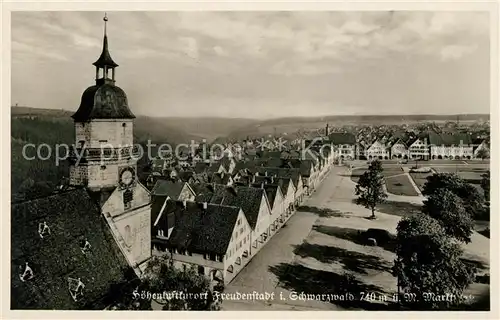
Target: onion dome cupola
104,100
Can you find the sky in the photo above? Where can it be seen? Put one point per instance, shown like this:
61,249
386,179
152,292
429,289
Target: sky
259,64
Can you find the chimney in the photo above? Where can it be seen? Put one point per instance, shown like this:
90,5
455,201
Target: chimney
265,173
205,206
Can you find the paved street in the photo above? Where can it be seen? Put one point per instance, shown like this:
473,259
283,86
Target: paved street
323,252
336,192
256,276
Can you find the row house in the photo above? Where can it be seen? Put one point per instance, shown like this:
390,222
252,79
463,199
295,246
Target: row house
291,173
451,146
479,146
345,143
253,202
289,191
213,239
399,150
360,150
257,197
277,204
309,172
418,148
220,178
377,150
286,185
209,168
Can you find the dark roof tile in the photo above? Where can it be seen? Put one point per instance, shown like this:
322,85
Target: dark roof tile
72,217
247,198
203,230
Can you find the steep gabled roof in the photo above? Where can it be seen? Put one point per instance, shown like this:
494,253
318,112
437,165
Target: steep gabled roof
398,141
203,230
338,138
292,173
168,188
72,218
157,203
272,191
219,178
449,139
247,198
185,175
284,184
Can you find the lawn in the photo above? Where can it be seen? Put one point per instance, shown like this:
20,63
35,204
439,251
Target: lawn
420,178
470,173
401,209
400,185
356,173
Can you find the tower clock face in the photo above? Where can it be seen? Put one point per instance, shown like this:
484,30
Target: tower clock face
127,176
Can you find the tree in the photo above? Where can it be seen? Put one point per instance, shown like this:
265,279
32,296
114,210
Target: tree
485,184
428,266
188,290
472,199
162,276
370,187
483,154
446,207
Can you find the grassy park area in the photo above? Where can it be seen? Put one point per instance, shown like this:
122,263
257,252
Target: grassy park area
471,173
400,185
420,178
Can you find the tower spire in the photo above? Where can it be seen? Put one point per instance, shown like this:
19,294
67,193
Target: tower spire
105,19
105,63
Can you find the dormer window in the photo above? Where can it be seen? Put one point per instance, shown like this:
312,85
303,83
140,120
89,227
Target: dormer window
25,272
85,246
75,287
43,229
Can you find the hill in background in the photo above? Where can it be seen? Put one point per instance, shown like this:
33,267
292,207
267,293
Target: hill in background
51,126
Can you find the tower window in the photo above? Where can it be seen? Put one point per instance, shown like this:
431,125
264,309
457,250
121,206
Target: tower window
128,196
103,167
124,124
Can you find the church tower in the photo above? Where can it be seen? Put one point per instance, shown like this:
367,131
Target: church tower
104,131
105,163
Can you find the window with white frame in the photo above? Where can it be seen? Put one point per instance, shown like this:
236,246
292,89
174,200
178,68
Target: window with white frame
85,246
75,287
25,272
43,229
